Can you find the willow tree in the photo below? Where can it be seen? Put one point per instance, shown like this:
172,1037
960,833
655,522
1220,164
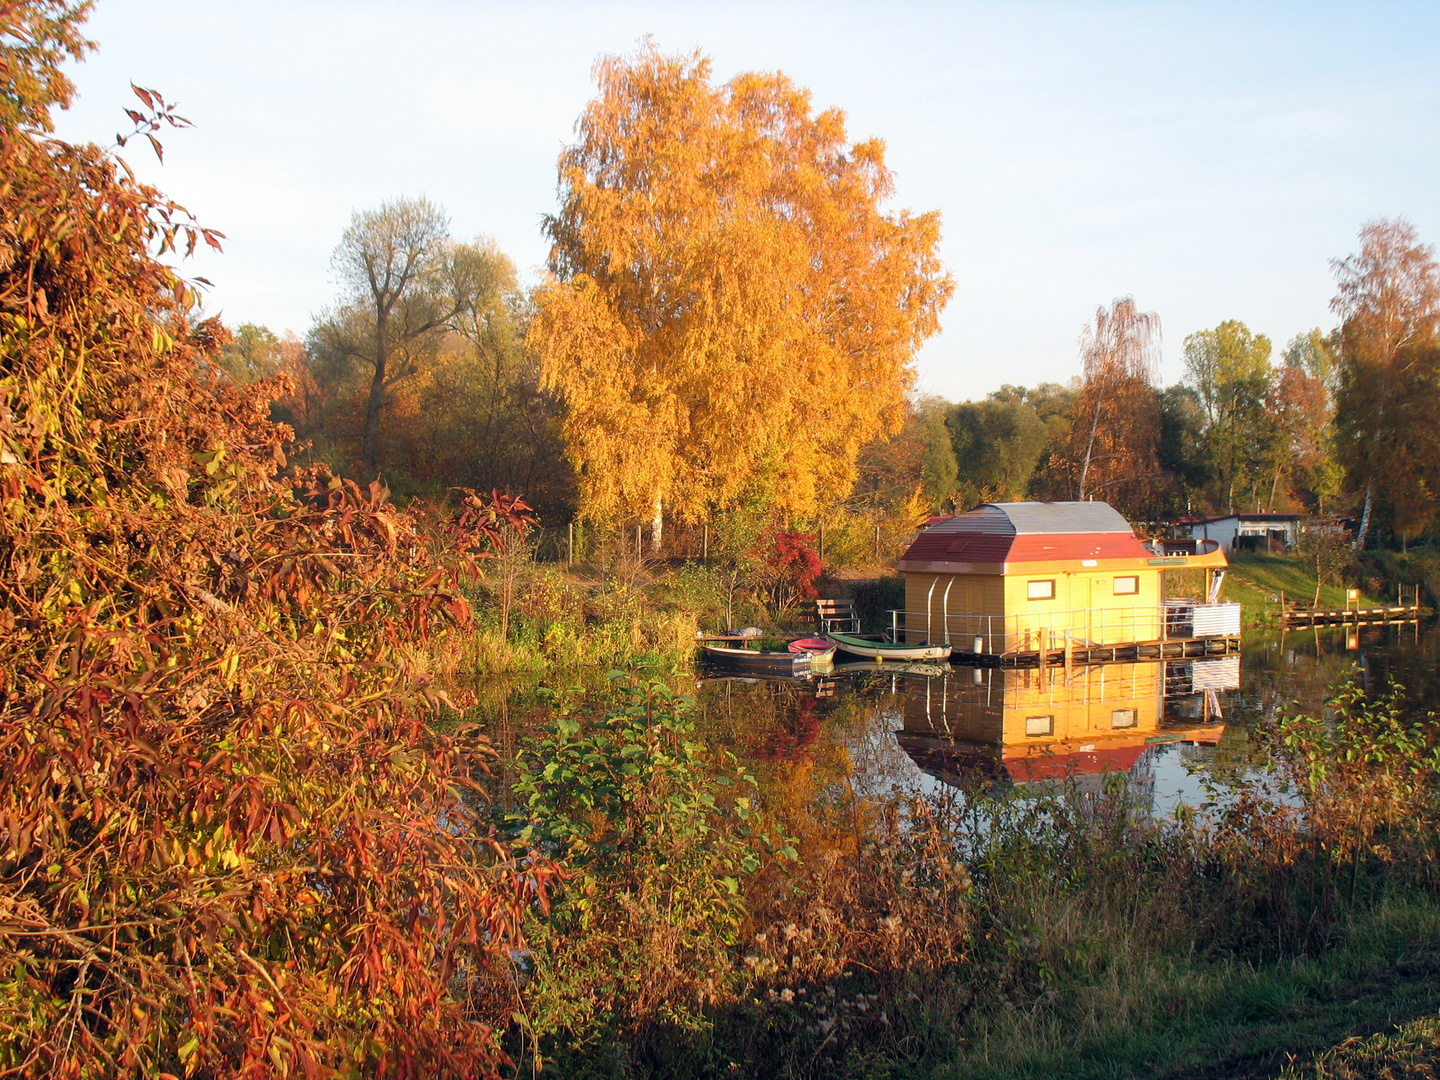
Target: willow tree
731,315
1112,449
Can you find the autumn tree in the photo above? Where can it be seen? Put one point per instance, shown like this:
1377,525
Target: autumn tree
1111,450
405,281
1301,415
254,354
1388,300
732,315
469,410
920,457
1316,353
1229,368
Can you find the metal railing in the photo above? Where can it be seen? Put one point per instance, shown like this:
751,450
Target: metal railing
1031,631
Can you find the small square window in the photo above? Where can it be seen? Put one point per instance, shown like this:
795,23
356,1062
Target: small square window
1127,586
1040,590
1122,718
1037,726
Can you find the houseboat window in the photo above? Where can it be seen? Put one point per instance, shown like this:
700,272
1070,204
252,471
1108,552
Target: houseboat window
1122,718
1126,585
1040,590
1036,726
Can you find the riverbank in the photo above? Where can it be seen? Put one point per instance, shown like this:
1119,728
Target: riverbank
1012,932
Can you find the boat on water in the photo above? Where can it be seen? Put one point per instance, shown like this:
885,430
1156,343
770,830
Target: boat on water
820,651
755,660
874,647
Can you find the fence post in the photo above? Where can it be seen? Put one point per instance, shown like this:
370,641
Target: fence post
570,544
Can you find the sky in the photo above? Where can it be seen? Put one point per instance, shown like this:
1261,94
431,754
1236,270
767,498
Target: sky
1209,159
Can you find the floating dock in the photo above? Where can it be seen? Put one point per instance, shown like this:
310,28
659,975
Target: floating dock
1127,652
1406,609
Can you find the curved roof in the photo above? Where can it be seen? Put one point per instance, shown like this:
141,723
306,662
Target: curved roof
1000,533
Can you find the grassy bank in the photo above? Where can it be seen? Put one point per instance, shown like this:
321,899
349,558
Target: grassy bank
1259,583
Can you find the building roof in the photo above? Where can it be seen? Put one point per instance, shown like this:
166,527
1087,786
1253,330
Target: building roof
1001,533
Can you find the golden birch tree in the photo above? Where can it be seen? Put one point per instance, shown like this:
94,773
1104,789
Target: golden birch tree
1388,298
1113,446
731,314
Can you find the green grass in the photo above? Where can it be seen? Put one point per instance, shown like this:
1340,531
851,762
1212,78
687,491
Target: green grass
1259,581
1203,1018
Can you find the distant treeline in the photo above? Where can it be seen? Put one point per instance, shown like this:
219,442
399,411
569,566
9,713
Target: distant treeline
435,369
1342,422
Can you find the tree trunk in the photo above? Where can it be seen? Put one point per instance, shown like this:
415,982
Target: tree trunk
1089,449
1364,529
657,525
370,448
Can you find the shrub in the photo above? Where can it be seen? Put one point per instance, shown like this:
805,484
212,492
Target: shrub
230,844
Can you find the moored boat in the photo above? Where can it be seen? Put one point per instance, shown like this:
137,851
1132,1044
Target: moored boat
755,660
873,647
820,651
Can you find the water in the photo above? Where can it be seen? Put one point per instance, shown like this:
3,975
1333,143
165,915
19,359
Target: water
953,729
940,729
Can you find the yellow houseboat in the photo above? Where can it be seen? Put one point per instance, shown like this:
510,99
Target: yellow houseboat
1035,577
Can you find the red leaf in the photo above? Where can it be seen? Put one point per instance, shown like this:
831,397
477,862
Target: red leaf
144,95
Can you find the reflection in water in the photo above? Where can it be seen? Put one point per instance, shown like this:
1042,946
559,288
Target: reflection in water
879,727
959,728
1023,726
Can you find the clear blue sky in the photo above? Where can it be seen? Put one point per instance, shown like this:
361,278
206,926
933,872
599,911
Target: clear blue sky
1209,158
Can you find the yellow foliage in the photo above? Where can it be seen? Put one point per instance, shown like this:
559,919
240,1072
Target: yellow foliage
732,316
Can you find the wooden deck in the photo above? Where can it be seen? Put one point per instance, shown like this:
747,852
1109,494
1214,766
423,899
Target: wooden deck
1127,652
1297,616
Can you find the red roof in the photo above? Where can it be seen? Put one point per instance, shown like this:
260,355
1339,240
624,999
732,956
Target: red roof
1048,766
999,533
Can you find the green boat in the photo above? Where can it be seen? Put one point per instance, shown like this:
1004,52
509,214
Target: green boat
874,647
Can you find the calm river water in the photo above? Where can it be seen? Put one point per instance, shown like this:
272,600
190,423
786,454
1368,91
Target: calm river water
944,729
949,728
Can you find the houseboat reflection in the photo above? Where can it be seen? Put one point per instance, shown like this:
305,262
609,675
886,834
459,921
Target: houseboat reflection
1027,725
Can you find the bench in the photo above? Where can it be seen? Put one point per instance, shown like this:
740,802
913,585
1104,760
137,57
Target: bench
837,615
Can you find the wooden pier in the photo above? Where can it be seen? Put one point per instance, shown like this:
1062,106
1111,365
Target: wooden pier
1084,653
1406,609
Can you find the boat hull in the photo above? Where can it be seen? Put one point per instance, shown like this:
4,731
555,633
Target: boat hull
751,660
885,650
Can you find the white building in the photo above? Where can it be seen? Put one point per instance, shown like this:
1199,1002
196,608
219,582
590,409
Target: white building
1271,533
